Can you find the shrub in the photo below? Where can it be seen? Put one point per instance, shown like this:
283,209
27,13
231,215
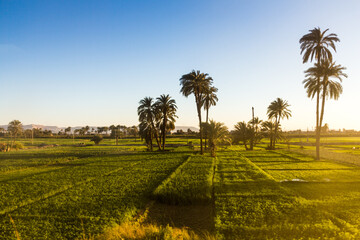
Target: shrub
17,146
96,139
6,147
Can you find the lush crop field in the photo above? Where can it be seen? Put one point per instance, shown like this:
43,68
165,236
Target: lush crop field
328,140
63,192
191,183
283,195
66,191
125,142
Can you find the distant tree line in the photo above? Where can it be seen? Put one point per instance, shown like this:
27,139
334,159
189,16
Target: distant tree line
15,129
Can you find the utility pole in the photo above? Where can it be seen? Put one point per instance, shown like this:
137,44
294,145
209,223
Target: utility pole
253,117
32,136
307,135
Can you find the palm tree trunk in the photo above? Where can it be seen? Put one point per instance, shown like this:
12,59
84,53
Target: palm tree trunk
200,131
246,148
317,116
156,135
277,129
322,106
317,127
275,132
207,121
151,142
164,132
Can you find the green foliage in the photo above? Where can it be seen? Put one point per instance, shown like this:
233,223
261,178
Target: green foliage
199,84
189,184
15,128
217,133
52,192
318,200
6,147
96,139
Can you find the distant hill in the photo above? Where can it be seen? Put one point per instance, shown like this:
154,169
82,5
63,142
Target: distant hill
185,128
54,129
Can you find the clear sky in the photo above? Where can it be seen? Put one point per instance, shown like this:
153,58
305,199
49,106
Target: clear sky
73,63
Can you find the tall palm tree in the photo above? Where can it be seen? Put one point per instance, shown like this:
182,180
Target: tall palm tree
277,110
209,99
147,112
217,132
330,87
167,107
316,45
326,71
196,83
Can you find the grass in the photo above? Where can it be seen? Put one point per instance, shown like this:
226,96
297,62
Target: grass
191,183
56,192
94,192
259,205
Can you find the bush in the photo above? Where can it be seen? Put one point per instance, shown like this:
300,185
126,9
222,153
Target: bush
6,147
17,146
96,139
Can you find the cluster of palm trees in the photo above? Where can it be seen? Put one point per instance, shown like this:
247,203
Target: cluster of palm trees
321,79
156,119
252,132
200,85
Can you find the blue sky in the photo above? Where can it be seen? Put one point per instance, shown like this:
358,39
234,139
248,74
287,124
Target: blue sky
71,63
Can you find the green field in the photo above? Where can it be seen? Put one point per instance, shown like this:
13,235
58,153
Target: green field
66,191
58,193
283,195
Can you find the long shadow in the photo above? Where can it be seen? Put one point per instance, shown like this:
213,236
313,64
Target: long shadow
266,157
241,171
307,169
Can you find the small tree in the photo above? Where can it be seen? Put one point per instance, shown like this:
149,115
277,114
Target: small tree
244,132
96,139
15,128
217,132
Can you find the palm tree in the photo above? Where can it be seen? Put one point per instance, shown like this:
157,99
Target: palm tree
196,83
14,128
256,136
326,71
316,45
277,110
145,132
243,132
147,112
67,130
216,132
330,87
167,107
209,99
268,129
